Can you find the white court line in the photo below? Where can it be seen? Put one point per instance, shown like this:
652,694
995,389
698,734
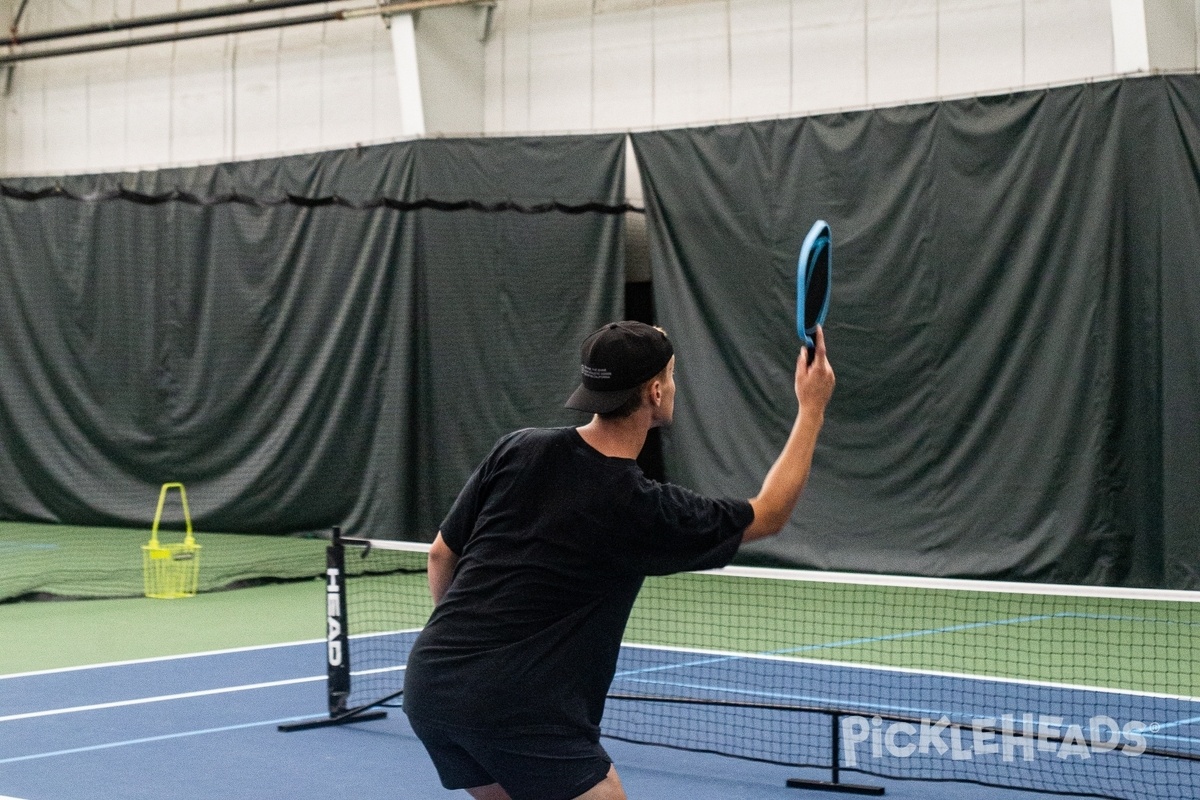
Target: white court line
149,739
154,659
859,665
188,695
226,651
959,584
160,698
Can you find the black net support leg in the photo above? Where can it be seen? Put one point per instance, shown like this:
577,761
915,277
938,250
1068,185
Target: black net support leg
835,783
328,722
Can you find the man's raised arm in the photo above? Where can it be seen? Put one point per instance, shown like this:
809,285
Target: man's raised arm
785,480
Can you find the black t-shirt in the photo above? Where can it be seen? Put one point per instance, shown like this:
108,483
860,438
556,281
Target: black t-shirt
554,539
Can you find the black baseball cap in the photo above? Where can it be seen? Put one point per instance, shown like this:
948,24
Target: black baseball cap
616,361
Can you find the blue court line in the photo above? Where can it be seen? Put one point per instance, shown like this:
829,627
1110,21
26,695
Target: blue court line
966,626
1122,618
800,697
808,648
1165,738
1175,724
682,664
165,737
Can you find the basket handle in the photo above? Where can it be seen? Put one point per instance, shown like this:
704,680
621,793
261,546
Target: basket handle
187,517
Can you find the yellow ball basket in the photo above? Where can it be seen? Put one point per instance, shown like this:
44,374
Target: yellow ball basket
171,571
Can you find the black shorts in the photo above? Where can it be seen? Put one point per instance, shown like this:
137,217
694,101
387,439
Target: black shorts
541,762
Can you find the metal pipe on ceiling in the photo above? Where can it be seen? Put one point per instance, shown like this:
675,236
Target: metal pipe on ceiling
282,22
17,38
179,36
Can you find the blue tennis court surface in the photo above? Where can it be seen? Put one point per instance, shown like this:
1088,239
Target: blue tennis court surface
205,726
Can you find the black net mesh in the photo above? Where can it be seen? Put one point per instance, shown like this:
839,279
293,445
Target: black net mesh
1071,690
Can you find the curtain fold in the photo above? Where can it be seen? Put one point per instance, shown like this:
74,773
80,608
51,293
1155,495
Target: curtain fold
1012,325
318,340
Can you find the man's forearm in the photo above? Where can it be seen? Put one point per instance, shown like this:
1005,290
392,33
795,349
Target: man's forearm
785,480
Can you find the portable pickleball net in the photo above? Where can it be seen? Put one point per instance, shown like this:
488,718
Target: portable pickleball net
1080,691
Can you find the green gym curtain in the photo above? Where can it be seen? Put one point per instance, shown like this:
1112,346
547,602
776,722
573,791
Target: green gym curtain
338,338
320,340
1013,327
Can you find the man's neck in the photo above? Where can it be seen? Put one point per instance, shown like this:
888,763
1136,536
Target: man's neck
617,438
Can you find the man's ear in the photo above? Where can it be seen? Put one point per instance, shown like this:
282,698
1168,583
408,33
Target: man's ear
655,392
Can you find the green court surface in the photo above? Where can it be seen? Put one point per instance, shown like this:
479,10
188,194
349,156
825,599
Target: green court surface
51,635
96,611
75,561
74,595
1124,643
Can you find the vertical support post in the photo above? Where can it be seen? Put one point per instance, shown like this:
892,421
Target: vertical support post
336,623
835,765
836,736
337,642
1131,45
408,78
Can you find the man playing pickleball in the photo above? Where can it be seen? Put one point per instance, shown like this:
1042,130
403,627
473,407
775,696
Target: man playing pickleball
536,567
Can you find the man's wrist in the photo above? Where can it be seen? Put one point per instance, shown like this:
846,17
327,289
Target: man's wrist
811,416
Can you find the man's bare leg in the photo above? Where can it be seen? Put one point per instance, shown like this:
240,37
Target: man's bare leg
608,789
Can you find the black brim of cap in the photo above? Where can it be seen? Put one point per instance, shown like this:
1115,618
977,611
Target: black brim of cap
593,402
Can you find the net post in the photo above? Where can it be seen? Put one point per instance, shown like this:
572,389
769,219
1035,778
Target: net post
835,737
337,648
835,784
